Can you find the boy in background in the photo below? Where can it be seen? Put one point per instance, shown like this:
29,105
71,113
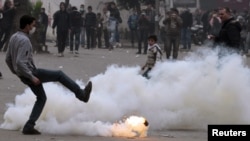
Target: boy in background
154,55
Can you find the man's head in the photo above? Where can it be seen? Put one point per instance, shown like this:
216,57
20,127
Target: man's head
89,8
27,23
42,10
8,4
62,6
113,5
225,14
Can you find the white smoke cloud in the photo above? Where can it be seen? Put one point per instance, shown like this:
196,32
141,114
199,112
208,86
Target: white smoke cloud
202,89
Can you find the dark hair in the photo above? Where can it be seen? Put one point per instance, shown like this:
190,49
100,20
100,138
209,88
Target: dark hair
153,37
89,7
74,8
175,10
227,9
26,20
62,3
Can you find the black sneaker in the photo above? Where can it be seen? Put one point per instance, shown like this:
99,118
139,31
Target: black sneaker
31,131
85,94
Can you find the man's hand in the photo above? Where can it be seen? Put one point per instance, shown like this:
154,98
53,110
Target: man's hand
210,37
36,81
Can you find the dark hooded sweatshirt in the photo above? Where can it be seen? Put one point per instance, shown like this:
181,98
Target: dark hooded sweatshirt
230,34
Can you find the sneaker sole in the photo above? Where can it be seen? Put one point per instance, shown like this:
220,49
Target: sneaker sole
88,90
31,132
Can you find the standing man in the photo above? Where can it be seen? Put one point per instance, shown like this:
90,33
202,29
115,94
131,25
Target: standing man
187,19
61,23
20,61
143,31
99,29
173,25
90,25
82,36
133,25
150,13
75,30
229,35
105,17
116,13
44,22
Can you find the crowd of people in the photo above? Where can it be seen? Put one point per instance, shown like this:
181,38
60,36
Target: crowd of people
87,29
175,28
222,26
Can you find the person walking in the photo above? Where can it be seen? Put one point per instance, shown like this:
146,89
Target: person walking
61,23
20,61
44,22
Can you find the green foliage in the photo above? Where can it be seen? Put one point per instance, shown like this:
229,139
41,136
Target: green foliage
36,8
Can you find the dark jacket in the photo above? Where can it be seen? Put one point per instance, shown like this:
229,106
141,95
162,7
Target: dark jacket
230,34
116,13
90,19
143,23
133,21
187,19
61,20
248,23
8,17
173,26
44,19
75,19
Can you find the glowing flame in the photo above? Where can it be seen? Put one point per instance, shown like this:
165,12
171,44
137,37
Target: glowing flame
133,126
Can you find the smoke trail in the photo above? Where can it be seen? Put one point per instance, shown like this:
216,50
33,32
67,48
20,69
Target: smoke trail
188,94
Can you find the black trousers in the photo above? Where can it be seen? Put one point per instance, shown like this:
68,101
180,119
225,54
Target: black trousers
46,76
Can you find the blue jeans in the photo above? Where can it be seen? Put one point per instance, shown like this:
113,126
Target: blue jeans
75,38
46,76
82,36
186,38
